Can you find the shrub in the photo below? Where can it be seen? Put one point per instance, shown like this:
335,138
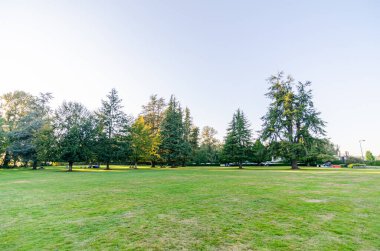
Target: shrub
352,160
373,163
337,162
356,165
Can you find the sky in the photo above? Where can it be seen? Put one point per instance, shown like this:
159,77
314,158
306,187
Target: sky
213,55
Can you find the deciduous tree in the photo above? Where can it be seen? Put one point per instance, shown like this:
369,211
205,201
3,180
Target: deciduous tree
25,124
369,156
75,130
210,146
142,143
153,113
15,107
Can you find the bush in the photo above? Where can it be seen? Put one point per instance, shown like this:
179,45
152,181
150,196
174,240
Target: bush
373,163
203,164
356,165
337,162
353,160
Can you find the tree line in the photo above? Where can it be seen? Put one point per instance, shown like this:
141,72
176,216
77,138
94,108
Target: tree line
164,133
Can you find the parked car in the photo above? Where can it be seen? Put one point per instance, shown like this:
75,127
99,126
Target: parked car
93,166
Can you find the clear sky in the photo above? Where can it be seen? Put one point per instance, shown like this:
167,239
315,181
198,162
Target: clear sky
213,55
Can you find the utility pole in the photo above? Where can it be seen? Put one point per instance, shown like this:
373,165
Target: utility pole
361,149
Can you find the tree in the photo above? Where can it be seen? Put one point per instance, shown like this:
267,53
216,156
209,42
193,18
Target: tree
194,140
208,137
43,139
24,126
210,146
2,136
369,156
111,125
15,107
260,153
353,159
187,127
172,134
142,143
75,130
22,139
237,146
319,151
45,143
291,121
153,114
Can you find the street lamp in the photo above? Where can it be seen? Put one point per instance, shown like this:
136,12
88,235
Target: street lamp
361,149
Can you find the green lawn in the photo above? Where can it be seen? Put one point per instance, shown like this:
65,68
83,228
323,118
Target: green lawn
190,209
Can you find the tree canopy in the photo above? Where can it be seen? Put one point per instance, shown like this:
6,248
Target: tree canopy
75,132
164,133
238,142
291,123
112,125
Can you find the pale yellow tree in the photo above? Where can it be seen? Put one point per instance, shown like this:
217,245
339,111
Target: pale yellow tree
143,144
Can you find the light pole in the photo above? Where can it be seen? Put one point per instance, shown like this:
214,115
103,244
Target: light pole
361,149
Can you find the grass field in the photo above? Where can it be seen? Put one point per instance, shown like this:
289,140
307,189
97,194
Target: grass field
190,209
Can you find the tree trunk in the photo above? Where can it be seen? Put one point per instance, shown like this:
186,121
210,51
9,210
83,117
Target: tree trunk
153,164
70,166
135,167
7,159
34,164
107,165
240,165
295,165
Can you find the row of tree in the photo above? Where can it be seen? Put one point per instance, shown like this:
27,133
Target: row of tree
163,133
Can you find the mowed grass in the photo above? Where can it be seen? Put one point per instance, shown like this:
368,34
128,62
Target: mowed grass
190,209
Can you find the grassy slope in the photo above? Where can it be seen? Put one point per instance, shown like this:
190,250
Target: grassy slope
191,208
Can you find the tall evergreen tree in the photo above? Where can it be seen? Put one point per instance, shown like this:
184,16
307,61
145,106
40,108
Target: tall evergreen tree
187,127
260,152
291,122
111,125
238,142
172,134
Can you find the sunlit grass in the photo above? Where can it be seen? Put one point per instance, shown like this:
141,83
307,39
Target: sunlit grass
209,208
